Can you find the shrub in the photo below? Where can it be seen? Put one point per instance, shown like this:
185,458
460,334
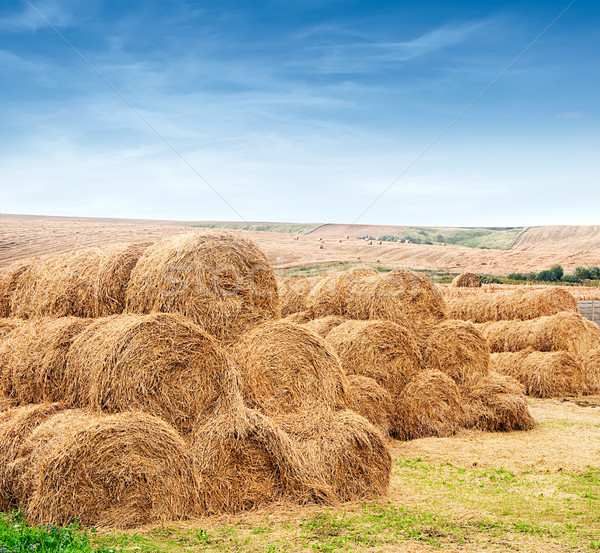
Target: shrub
570,278
557,271
487,279
517,276
388,238
546,276
588,273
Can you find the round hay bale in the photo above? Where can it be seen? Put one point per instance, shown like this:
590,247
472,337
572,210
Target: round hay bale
84,283
497,403
371,401
561,332
324,325
9,279
293,292
34,357
299,318
514,305
352,456
431,405
407,298
15,426
7,326
457,349
591,367
221,280
287,370
161,364
543,374
467,280
118,471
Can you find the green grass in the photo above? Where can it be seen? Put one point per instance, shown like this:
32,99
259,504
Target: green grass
290,228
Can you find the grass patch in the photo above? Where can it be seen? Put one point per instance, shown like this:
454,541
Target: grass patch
288,228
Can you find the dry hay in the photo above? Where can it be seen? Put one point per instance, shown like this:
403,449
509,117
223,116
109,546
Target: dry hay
497,403
287,371
15,426
515,305
161,364
431,405
457,349
324,325
293,292
33,359
120,470
7,326
591,366
382,350
467,280
544,374
300,318
561,332
9,279
84,283
371,401
221,280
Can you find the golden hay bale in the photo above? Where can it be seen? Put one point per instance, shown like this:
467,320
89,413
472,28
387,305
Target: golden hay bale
221,280
431,405
382,350
9,279
299,318
497,403
457,349
591,367
517,304
33,358
120,470
15,426
293,292
561,332
287,370
161,364
7,326
6,402
467,280
352,456
543,374
324,325
372,401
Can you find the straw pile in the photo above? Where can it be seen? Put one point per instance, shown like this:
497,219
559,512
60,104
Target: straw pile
221,280
518,304
7,326
561,332
324,325
457,349
121,470
591,366
161,364
497,403
293,292
9,279
371,401
33,359
467,280
431,405
85,283
543,374
299,318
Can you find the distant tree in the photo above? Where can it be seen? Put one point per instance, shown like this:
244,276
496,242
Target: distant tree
517,276
570,278
557,271
546,276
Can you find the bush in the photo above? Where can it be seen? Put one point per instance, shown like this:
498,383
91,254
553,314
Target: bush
517,276
487,279
546,276
388,238
588,273
570,278
557,271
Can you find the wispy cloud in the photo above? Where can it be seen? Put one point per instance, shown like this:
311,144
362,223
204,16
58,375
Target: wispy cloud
570,115
57,13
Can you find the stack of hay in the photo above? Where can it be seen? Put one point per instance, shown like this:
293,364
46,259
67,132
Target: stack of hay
467,280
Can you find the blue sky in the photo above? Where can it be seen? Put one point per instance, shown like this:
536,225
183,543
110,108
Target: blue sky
302,111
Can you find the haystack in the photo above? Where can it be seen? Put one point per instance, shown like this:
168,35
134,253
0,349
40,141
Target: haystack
293,292
324,325
221,280
7,326
288,371
544,374
372,401
9,279
121,470
15,426
467,280
161,364
431,405
299,318
84,283
591,367
457,349
561,332
514,305
497,403
33,358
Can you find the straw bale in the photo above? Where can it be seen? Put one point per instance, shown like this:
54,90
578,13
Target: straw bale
431,405
300,318
561,332
324,325
467,280
161,364
457,349
219,279
543,374
513,305
591,366
7,326
122,470
288,370
9,279
33,358
89,282
497,403
293,292
372,401
15,426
